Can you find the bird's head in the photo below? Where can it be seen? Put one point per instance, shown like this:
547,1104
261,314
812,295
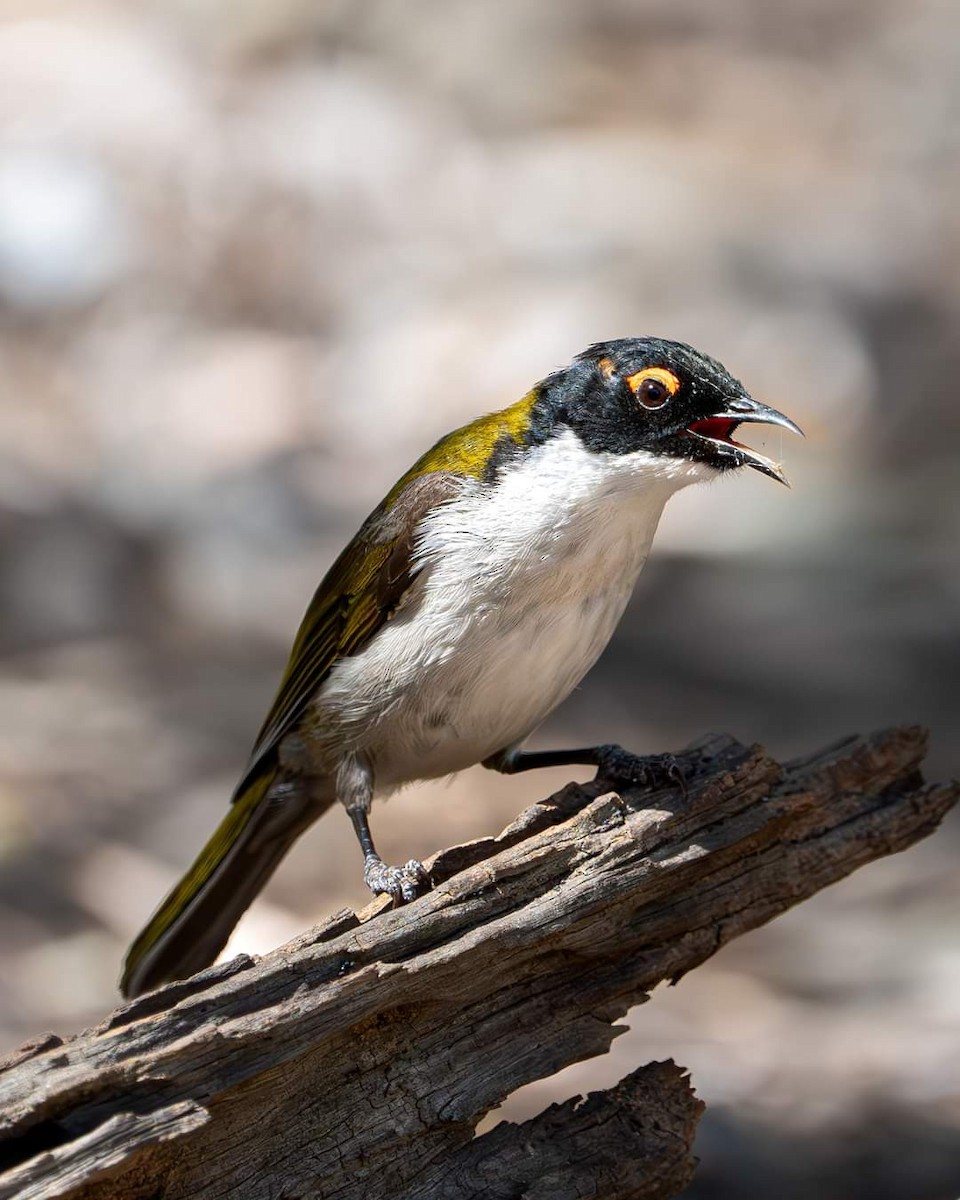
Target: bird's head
665,398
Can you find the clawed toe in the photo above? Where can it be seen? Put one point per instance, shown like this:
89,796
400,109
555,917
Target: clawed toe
402,883
676,774
652,771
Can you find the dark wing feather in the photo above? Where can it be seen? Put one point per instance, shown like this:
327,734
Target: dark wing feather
356,597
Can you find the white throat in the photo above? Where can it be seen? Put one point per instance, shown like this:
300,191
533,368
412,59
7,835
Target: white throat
560,501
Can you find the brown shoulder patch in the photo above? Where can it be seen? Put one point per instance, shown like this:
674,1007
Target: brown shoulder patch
410,506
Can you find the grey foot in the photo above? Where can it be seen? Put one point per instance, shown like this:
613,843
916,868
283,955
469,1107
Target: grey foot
648,770
402,883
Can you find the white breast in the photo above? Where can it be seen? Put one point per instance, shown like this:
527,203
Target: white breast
522,584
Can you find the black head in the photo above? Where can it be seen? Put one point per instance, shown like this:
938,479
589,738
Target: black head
663,397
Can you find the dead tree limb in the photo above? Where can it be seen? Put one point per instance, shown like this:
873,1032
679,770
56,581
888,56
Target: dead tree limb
357,1060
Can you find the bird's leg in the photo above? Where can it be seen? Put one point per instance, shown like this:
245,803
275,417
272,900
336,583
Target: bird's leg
355,790
612,762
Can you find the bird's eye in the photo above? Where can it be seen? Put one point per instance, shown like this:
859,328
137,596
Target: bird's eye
652,393
653,386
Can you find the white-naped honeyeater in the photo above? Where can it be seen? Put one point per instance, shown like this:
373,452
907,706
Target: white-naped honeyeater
472,601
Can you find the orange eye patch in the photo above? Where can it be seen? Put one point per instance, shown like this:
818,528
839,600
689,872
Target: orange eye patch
653,386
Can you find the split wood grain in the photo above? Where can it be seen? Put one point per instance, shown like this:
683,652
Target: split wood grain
357,1060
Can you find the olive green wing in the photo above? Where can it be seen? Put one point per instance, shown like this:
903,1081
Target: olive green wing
359,593
364,586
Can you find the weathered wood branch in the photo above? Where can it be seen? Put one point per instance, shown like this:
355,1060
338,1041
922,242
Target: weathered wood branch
357,1060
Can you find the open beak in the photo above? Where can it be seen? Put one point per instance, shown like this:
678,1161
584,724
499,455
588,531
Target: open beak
720,427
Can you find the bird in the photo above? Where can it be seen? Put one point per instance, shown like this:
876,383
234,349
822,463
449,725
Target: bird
469,604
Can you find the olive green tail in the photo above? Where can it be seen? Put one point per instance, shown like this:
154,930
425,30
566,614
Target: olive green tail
193,923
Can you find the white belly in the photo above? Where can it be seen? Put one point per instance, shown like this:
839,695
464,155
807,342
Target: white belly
521,588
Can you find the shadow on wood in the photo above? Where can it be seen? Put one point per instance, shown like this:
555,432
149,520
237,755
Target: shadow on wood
357,1060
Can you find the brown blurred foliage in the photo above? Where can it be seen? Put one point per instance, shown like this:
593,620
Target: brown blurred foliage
254,257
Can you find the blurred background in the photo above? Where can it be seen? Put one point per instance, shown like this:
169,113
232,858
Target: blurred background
255,257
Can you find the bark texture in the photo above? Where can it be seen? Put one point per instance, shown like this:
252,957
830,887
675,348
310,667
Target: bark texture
357,1060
